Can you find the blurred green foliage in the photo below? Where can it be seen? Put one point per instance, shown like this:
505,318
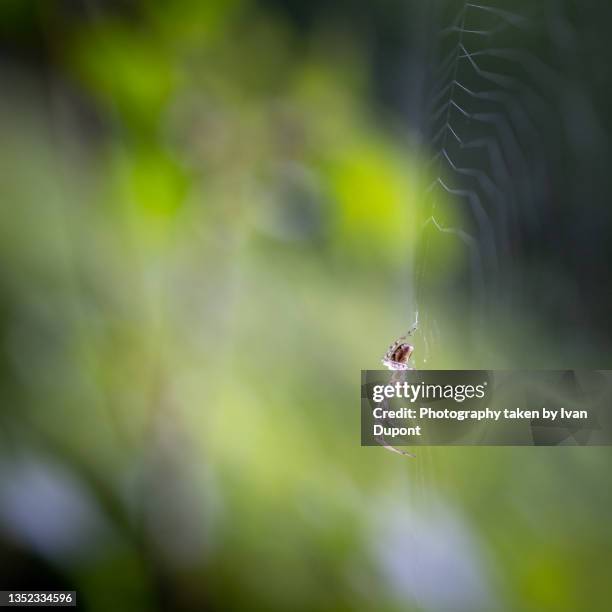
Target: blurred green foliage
206,232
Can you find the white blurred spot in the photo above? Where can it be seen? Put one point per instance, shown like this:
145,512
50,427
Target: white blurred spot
45,507
431,558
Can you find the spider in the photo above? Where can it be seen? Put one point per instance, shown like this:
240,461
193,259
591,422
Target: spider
399,353
397,358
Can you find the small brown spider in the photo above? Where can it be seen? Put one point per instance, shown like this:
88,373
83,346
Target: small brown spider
397,358
398,355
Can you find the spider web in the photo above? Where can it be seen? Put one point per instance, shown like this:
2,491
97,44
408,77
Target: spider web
490,111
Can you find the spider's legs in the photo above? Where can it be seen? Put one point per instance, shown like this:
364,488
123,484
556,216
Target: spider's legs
381,440
398,376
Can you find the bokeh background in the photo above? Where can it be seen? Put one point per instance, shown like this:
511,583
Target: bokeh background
213,215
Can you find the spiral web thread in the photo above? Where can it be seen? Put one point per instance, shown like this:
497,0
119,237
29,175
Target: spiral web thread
489,113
